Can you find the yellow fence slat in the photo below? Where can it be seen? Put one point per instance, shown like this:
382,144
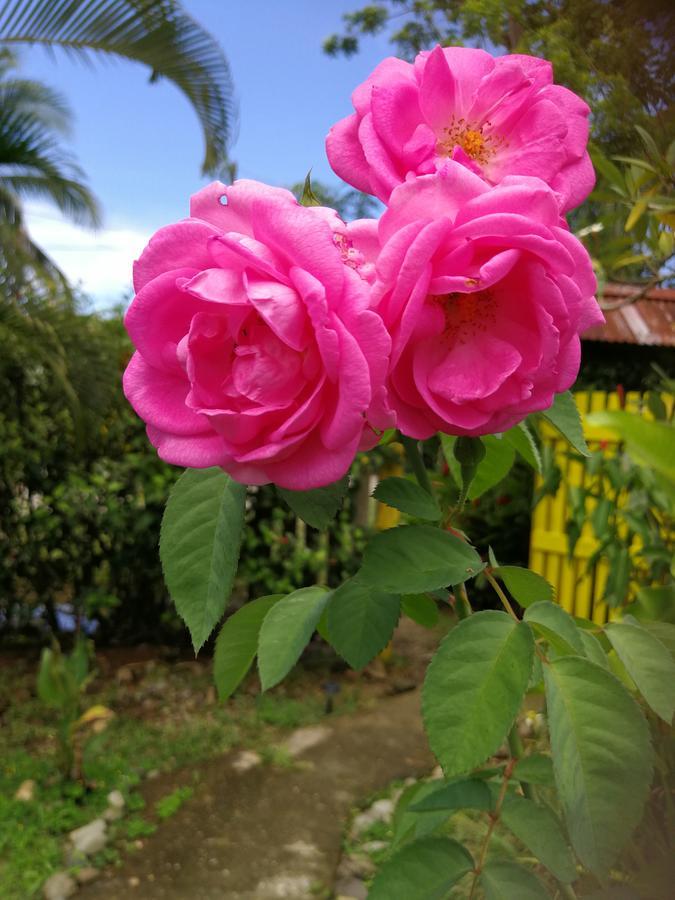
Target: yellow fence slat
578,589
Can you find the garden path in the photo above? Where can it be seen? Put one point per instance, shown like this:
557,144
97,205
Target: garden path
271,832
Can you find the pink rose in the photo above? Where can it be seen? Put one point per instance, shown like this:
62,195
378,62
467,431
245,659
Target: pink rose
484,295
256,349
497,116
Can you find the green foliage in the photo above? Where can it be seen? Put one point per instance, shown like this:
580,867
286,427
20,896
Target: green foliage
465,793
504,880
421,608
602,768
539,829
490,470
360,621
414,558
170,804
648,663
286,630
318,507
408,497
564,415
552,622
474,687
426,868
526,586
237,644
199,546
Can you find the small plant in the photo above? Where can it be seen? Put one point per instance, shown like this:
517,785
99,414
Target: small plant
61,683
170,804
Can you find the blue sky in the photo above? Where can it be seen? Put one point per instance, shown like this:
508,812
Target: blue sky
140,144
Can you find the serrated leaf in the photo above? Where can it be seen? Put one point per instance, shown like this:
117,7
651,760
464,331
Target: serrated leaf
422,870
564,415
593,649
199,546
504,880
535,769
522,440
493,468
538,828
285,632
467,793
360,621
237,644
526,586
414,558
421,608
317,507
648,663
556,626
408,497
474,687
602,757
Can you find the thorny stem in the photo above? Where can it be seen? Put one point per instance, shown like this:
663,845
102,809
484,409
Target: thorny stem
500,593
412,452
494,818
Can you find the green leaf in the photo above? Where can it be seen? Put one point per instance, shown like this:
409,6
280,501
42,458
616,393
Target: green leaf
422,870
535,769
593,649
493,468
526,586
538,828
318,507
602,757
77,662
408,825
522,440
556,626
421,608
564,415
360,621
467,793
648,663
237,644
474,687
503,880
285,632
409,497
649,443
664,632
414,558
199,546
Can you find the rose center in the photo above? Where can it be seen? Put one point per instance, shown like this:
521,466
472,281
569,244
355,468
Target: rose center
473,140
466,315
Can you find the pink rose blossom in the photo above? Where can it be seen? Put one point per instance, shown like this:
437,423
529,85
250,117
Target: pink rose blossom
498,116
484,295
256,349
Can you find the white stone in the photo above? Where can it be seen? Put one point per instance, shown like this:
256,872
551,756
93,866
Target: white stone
350,889
380,811
247,759
374,846
116,800
87,874
59,886
89,838
305,738
26,791
284,887
303,849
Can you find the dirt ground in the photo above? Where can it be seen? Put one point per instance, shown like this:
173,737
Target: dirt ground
275,831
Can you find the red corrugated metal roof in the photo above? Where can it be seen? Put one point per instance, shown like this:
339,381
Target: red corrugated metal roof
650,320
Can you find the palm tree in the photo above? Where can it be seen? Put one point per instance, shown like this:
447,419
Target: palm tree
157,33
33,121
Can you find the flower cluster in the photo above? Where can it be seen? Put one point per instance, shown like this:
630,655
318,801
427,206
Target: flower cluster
275,340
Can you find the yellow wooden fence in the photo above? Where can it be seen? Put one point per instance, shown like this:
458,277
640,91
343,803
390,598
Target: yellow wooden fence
578,589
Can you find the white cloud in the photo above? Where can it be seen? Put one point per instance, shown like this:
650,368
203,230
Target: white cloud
98,261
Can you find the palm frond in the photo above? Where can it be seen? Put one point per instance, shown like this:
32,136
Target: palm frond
157,33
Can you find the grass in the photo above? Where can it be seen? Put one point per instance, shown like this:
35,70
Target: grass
161,725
